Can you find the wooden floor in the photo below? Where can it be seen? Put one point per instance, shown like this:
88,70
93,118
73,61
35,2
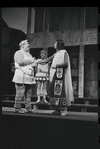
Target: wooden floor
76,130
84,116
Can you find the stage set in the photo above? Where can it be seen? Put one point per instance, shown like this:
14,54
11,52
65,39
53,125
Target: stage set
77,27
78,129
86,110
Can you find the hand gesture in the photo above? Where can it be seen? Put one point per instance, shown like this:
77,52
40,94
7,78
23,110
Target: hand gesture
34,64
33,59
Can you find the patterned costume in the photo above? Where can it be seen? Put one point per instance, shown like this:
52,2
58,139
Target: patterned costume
42,78
61,87
23,78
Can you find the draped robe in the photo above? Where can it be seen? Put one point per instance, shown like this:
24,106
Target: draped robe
67,81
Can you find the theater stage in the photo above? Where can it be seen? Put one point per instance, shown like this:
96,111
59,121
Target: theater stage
86,116
77,130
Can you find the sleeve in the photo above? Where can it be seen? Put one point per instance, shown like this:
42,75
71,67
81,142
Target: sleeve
19,58
66,58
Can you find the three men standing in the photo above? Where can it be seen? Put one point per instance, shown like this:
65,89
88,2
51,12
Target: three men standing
24,76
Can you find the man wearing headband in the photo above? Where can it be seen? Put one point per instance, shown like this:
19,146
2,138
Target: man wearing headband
23,76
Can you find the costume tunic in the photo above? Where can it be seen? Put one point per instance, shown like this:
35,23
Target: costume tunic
42,78
24,73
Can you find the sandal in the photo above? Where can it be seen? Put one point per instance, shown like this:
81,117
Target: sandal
63,113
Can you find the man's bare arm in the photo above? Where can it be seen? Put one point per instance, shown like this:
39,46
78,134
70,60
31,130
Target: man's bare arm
46,60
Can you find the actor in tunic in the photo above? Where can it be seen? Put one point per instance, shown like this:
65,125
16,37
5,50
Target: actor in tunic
23,76
42,77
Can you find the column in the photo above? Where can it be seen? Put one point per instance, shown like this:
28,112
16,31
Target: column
29,21
81,71
45,33
81,56
45,28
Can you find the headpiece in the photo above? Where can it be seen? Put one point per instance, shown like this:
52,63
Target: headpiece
22,42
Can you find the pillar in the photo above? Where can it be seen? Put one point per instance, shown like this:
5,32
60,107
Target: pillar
29,21
45,28
81,56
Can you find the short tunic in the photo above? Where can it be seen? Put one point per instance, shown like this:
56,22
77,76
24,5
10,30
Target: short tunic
24,73
42,78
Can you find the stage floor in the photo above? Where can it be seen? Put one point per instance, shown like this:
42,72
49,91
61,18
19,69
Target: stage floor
77,129
85,116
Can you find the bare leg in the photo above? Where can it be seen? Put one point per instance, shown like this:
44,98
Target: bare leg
38,90
44,91
38,98
44,99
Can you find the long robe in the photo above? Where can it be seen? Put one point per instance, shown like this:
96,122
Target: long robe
67,80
